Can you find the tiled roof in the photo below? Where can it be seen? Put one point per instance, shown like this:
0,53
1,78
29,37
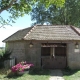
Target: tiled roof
46,32
18,35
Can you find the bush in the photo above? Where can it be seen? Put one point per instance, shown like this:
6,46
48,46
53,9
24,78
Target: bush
1,52
4,55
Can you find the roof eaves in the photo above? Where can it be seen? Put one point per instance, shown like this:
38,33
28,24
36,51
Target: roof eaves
5,40
10,36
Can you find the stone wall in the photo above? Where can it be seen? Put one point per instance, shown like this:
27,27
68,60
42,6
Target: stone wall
73,56
22,52
18,50
33,54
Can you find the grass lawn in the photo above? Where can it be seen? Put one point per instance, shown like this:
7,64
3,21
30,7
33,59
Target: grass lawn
37,74
71,74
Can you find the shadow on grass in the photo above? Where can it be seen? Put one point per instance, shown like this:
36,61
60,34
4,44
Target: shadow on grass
35,71
39,71
69,72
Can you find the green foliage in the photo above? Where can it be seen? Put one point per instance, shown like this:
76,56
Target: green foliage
5,55
18,8
1,52
68,14
47,3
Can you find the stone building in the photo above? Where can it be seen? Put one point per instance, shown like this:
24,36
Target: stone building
55,46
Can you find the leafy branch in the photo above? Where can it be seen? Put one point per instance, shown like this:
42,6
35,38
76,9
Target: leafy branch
7,7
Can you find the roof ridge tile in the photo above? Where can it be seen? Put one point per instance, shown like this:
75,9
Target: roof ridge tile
75,29
29,32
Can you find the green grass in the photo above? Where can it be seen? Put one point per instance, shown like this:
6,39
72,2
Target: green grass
71,74
36,74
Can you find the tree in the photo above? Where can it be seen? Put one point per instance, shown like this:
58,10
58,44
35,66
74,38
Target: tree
18,8
68,14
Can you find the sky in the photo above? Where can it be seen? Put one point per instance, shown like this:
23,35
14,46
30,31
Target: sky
22,22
